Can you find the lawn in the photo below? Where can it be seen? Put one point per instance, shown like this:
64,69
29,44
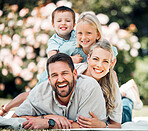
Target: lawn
136,113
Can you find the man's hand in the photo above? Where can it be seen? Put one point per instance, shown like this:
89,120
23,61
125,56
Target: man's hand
35,123
61,121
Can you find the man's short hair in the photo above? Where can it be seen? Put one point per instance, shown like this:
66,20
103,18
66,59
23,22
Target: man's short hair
60,57
63,9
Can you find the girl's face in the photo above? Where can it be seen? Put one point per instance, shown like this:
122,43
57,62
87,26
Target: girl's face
63,24
86,34
99,63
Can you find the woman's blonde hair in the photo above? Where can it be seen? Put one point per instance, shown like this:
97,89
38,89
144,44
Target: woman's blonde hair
108,82
92,20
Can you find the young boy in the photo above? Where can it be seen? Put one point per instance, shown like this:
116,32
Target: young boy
64,40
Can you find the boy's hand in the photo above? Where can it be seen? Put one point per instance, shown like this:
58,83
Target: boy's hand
77,58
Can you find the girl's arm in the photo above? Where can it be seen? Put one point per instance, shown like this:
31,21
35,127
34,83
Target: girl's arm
18,100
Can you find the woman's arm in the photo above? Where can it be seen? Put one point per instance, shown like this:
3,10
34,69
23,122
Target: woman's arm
94,122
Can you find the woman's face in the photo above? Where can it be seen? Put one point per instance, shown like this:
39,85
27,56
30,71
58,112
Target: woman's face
86,34
99,63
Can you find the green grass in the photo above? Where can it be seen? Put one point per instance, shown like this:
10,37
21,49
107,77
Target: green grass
136,113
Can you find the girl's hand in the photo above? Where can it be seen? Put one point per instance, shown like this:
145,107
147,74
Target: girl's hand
93,122
77,58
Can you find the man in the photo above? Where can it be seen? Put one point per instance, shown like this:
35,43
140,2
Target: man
62,98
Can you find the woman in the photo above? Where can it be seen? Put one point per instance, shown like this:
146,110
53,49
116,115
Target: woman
99,66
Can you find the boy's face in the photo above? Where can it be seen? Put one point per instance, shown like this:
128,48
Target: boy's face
63,24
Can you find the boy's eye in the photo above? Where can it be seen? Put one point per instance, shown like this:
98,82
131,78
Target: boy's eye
79,32
94,58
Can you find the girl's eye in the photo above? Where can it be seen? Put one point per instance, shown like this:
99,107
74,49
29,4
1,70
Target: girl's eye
68,21
106,61
89,33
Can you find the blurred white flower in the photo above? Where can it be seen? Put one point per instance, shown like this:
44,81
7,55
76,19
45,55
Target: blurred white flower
19,23
32,67
103,18
21,52
123,33
6,39
16,69
114,26
14,7
23,12
136,45
47,10
126,47
31,56
30,39
42,51
34,12
4,72
11,23
11,15
15,45
37,24
1,13
134,39
26,74
30,21
2,26
18,60
46,24
64,3
42,38
29,49
16,37
134,52
28,32
121,43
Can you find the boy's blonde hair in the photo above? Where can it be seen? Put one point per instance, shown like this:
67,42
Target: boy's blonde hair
108,82
92,20
63,9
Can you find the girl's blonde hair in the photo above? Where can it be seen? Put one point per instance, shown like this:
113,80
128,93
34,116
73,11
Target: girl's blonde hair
108,82
92,20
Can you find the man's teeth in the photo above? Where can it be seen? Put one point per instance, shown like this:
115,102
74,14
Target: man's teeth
62,85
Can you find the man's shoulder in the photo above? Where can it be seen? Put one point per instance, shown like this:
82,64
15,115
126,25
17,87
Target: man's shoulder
40,89
84,82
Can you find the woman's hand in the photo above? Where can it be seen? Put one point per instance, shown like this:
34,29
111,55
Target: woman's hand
93,122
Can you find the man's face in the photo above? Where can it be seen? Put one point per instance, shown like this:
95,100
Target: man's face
62,79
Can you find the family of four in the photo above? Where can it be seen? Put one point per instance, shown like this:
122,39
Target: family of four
79,87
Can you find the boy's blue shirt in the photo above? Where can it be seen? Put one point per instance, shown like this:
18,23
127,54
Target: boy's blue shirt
59,44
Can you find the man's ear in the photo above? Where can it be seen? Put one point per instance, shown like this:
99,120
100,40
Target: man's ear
49,79
75,73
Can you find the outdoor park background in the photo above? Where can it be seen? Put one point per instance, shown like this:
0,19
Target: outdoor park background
25,27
